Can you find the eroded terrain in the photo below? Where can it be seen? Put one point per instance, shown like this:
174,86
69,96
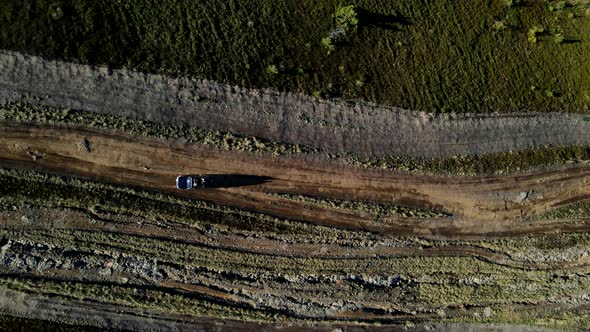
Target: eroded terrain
284,246
307,226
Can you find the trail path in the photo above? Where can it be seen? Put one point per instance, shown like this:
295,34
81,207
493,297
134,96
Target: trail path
480,205
334,126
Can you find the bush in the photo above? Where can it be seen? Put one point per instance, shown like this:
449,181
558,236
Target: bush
512,3
559,38
533,32
346,17
327,44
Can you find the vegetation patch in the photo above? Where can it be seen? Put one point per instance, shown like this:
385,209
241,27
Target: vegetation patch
578,210
138,297
487,164
382,210
495,163
436,56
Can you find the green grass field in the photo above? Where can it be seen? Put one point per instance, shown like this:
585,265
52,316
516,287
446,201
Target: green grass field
439,55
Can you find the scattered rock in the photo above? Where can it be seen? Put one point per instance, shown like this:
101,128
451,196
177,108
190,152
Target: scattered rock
45,264
85,145
36,155
107,272
522,196
441,313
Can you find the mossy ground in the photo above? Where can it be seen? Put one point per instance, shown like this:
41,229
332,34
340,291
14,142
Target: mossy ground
578,210
486,164
437,56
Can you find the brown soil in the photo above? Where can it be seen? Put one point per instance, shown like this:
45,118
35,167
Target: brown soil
482,206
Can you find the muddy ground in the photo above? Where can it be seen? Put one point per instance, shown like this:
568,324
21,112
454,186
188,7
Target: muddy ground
334,126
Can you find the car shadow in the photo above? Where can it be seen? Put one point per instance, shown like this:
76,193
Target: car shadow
233,180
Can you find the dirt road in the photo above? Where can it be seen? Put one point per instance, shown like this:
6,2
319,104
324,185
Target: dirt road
333,126
480,205
360,269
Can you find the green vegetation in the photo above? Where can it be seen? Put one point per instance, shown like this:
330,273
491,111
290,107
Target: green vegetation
437,56
223,140
346,18
327,44
534,32
550,248
495,163
574,320
579,210
382,210
133,297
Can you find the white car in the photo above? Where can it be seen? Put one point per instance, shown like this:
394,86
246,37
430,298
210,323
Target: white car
192,182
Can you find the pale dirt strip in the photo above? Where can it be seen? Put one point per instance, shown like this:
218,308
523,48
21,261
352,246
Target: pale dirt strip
333,126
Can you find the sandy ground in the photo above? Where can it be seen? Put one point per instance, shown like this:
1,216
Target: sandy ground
334,126
480,205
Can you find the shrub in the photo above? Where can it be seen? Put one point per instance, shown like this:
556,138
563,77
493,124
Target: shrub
272,70
533,32
558,38
327,44
346,17
559,6
512,3
499,25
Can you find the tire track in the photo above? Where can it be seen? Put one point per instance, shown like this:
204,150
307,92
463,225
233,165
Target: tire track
482,206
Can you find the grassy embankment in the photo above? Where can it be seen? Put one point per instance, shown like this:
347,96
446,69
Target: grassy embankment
496,163
437,56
